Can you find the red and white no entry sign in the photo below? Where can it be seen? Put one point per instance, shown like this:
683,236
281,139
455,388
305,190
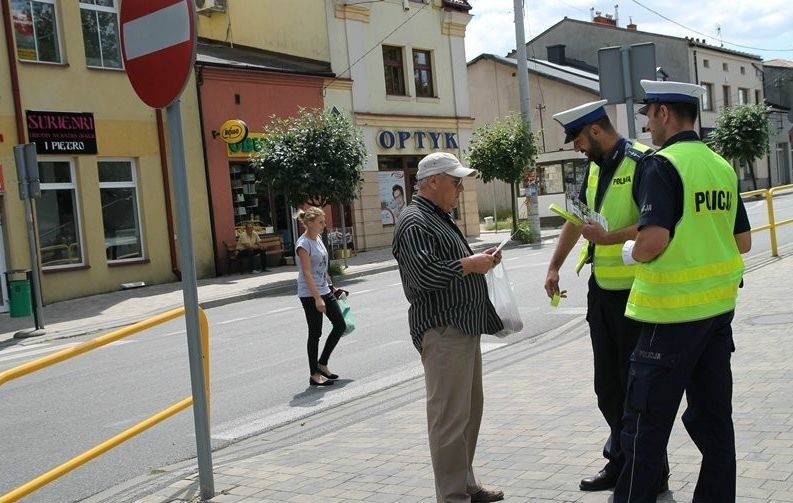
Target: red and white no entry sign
158,43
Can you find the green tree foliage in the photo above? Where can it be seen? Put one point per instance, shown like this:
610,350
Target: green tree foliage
316,157
503,150
741,133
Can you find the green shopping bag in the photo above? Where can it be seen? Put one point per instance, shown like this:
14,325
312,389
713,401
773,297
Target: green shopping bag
346,311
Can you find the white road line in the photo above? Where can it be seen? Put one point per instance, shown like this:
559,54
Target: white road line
23,348
51,349
358,292
37,351
395,284
490,346
243,318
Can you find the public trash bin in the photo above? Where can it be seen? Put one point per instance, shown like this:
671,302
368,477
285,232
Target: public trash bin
20,301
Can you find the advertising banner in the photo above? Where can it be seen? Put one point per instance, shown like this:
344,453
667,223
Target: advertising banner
392,195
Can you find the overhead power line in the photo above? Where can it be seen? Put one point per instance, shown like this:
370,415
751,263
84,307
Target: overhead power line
375,46
706,35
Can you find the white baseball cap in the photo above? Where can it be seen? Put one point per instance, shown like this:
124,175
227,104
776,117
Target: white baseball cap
442,162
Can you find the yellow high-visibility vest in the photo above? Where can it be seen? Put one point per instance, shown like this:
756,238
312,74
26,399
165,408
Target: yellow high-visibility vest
697,275
620,211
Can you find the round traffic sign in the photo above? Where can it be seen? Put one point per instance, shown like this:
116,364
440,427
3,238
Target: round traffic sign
158,44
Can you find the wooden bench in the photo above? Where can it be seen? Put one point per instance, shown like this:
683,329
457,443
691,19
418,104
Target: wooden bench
232,257
273,247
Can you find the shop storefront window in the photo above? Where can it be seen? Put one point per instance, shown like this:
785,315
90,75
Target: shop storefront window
398,172
100,33
550,179
36,30
58,216
120,210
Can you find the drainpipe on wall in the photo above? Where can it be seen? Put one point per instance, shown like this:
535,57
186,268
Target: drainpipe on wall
17,98
12,68
199,81
696,81
166,185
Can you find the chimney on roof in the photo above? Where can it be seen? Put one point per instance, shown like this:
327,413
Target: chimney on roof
631,26
608,19
556,54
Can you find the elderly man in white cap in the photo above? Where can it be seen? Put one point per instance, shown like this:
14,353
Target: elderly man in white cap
445,285
692,230
607,188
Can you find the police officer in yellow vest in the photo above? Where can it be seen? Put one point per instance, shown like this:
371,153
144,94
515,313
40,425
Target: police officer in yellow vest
692,230
607,188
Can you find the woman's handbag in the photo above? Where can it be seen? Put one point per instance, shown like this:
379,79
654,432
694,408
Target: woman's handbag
499,289
346,311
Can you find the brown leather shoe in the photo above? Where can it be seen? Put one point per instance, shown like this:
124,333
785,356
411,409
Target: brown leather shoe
485,495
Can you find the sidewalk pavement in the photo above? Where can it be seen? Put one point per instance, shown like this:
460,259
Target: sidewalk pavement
540,435
103,312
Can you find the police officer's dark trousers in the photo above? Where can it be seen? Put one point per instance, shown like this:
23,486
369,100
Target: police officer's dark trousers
669,359
613,338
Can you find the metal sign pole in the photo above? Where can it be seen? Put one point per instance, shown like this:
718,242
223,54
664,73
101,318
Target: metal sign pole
29,188
625,52
190,293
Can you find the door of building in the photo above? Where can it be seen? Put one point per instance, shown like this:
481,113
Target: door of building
783,162
3,268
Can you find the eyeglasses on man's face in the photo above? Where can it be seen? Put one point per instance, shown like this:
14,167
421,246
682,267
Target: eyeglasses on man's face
457,181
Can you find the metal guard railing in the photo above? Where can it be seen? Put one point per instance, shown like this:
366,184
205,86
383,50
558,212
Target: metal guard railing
142,426
768,195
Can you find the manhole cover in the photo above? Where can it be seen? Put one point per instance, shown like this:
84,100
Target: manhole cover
773,319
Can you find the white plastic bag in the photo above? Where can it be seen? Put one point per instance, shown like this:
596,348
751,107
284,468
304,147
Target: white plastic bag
499,289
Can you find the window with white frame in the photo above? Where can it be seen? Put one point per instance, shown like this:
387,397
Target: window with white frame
118,190
35,25
394,70
58,216
100,33
422,73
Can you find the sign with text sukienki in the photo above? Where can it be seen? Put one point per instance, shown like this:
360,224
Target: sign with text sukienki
62,132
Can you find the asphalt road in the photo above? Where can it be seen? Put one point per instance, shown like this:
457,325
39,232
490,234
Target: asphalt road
259,374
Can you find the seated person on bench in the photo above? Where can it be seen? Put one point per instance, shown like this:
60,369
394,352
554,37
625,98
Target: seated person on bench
249,246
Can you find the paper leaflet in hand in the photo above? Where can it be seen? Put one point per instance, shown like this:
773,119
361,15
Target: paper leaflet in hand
578,213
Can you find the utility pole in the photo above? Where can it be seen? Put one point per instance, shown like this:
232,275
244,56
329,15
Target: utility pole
532,203
540,108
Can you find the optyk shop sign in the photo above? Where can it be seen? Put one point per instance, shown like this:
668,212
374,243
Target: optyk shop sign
417,140
62,132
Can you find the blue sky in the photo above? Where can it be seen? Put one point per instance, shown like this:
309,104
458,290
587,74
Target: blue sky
761,27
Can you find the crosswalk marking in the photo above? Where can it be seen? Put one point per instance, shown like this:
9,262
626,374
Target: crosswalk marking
21,348
37,349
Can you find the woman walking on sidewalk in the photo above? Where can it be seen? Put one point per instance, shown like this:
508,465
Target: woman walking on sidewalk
314,291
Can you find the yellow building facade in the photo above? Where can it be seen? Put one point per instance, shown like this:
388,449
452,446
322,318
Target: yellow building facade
401,73
105,214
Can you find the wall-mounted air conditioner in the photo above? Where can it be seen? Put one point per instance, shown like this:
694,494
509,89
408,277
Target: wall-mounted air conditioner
210,6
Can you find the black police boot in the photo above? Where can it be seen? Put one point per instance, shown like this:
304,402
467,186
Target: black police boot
602,481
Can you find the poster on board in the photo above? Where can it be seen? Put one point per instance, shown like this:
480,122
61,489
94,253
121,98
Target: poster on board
392,195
